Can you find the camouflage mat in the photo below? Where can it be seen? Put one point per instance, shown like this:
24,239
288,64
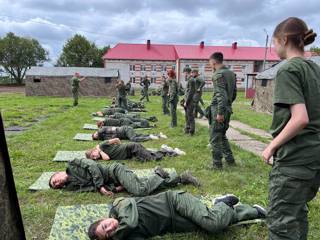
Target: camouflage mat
42,183
90,127
98,118
72,222
65,156
83,137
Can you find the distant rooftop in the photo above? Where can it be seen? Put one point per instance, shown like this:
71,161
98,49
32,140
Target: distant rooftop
270,73
69,71
167,52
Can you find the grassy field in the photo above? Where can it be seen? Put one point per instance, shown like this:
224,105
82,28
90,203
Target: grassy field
53,123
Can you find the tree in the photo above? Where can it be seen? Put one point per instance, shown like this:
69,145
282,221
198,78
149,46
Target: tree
315,51
79,52
17,54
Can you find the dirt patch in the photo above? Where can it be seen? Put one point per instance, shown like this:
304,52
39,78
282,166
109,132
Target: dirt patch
12,89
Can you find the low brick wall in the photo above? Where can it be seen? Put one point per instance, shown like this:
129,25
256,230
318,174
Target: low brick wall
61,87
263,96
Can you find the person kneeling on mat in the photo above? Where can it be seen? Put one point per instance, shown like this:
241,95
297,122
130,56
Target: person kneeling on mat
170,212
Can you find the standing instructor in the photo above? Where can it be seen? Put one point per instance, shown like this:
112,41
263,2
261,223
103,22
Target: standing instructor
75,84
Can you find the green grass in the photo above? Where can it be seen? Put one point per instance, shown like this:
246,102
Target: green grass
31,153
243,112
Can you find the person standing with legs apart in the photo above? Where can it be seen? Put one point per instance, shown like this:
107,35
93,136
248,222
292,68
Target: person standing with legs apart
75,84
295,176
145,83
173,97
122,95
164,95
188,102
220,110
199,84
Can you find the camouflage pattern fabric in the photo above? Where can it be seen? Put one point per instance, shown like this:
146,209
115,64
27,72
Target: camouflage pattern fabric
72,222
83,137
90,127
42,183
98,118
65,156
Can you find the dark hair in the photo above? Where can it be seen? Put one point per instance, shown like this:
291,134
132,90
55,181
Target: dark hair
50,185
92,230
195,70
93,137
88,153
172,73
187,69
296,31
217,56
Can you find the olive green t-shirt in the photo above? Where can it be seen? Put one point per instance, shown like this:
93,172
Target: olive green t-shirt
114,151
75,82
298,81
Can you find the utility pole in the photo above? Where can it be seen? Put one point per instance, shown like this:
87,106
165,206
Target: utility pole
266,49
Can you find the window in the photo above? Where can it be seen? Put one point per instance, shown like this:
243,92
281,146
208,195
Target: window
264,82
153,80
36,80
133,80
132,67
174,67
153,68
107,79
187,66
143,67
163,68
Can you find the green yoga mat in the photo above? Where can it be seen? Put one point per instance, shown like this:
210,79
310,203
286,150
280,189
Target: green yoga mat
90,127
42,183
83,137
66,156
72,222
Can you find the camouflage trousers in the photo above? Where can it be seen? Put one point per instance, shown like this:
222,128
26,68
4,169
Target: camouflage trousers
288,211
134,137
219,142
122,102
142,186
212,220
173,111
190,122
75,95
165,109
145,94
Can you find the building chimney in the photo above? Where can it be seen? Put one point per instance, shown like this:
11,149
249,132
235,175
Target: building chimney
202,44
234,45
148,44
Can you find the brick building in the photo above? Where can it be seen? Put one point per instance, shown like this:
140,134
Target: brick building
135,61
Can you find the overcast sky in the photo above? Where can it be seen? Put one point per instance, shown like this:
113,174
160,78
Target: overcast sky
106,22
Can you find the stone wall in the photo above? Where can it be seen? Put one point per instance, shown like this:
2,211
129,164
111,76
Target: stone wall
263,96
61,87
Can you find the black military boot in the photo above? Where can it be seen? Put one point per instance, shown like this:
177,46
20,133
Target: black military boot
187,178
161,172
228,199
231,162
216,165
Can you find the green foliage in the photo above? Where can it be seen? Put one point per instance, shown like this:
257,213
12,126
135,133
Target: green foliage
315,50
80,52
17,54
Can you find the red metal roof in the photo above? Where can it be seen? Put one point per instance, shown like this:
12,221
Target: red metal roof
173,52
140,52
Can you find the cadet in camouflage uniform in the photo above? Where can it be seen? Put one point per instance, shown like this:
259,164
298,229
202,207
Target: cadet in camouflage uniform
173,97
199,84
75,83
123,133
109,111
164,95
224,93
138,123
145,83
134,117
122,95
85,175
113,149
188,102
295,176
170,212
